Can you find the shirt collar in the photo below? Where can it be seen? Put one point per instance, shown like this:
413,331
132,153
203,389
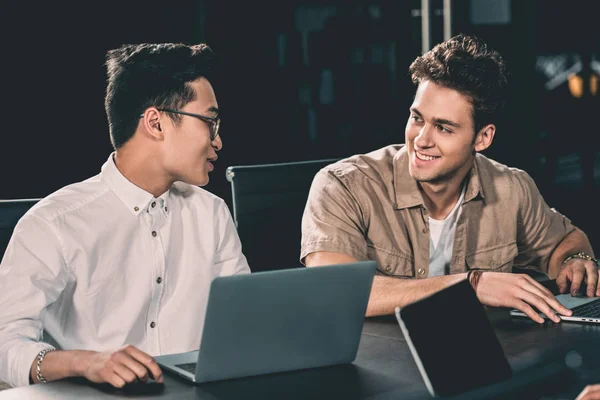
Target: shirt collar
135,198
160,203
407,191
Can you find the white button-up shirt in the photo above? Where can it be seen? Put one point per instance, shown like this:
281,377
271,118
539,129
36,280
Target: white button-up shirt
103,263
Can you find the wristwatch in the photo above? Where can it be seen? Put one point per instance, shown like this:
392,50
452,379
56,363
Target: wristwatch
583,256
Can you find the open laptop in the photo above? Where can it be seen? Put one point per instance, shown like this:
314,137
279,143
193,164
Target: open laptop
585,309
277,321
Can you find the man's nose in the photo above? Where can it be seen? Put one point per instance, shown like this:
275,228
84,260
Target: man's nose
217,143
425,137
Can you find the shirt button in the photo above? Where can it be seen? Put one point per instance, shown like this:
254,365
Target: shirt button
388,268
154,233
421,271
152,324
425,230
158,280
153,204
136,208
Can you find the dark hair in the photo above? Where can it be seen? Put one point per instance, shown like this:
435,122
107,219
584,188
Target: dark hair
466,64
144,75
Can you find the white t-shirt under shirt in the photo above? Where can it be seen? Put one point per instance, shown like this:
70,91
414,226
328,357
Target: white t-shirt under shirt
441,239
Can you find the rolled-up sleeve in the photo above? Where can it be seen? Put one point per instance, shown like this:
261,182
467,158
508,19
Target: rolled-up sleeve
229,259
540,228
333,219
32,275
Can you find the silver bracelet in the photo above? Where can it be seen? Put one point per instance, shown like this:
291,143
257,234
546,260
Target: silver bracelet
583,256
40,357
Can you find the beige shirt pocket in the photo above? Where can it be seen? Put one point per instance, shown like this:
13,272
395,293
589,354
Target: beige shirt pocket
498,258
392,263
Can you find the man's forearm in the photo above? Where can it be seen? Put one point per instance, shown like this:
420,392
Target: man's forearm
574,242
61,364
388,293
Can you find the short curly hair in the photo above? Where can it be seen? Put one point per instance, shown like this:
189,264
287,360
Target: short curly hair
466,64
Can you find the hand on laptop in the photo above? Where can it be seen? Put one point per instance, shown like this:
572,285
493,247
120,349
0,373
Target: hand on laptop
575,271
520,291
591,392
120,367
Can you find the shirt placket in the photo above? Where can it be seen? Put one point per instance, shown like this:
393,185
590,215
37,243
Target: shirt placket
421,221
457,264
156,218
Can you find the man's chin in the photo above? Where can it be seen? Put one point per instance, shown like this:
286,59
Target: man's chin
203,182
421,177
427,178
197,181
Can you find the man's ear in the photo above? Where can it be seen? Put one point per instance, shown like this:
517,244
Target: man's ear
484,137
151,121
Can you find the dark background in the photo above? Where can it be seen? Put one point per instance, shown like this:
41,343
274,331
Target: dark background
301,80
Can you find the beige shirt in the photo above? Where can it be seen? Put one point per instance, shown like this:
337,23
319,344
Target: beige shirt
369,207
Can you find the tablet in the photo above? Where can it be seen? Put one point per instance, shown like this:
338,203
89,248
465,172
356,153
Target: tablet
452,341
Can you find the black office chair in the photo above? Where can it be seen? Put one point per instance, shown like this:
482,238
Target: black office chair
268,203
10,213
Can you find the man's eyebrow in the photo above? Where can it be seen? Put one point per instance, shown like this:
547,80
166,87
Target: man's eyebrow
214,110
442,121
439,121
414,109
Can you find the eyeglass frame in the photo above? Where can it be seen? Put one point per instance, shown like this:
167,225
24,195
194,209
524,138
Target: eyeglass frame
214,121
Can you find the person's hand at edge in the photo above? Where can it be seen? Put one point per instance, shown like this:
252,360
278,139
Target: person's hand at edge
590,392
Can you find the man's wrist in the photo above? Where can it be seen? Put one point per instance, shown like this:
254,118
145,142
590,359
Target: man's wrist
80,362
35,374
473,277
580,255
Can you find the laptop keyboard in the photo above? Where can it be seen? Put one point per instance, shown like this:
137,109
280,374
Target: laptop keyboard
591,309
191,367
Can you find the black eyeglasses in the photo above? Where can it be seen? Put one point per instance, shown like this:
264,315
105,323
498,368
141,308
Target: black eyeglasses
213,122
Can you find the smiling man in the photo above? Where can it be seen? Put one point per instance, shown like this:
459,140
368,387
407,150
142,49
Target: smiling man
117,268
434,209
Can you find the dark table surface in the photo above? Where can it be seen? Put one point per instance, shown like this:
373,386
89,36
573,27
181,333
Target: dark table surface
554,360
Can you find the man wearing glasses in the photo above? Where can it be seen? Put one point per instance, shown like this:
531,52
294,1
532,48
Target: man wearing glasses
113,267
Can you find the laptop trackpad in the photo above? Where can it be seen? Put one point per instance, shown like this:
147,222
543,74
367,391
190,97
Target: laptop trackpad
570,302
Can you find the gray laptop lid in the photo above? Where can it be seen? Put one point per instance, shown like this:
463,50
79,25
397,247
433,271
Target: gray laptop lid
284,320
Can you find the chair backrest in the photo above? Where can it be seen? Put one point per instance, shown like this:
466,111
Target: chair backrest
268,203
10,213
